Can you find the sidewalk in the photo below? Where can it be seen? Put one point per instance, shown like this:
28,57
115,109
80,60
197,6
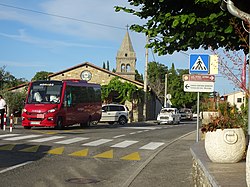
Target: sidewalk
171,167
219,174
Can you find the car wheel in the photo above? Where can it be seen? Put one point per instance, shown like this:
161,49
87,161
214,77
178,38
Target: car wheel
122,120
59,124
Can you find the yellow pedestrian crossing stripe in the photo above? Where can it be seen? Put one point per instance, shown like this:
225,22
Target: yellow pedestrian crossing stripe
56,151
83,152
31,149
8,147
132,156
106,154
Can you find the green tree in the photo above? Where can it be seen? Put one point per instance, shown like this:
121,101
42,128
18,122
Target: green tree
107,65
41,75
103,65
138,77
7,80
15,101
156,78
125,91
180,25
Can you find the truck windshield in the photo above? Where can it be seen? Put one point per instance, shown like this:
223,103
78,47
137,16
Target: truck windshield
45,92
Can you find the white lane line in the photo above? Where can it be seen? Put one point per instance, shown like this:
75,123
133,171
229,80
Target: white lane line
8,135
139,132
72,140
118,136
47,139
142,128
14,167
152,145
98,142
21,137
124,144
133,133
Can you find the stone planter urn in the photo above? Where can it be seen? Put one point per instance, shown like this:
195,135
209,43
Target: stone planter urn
225,146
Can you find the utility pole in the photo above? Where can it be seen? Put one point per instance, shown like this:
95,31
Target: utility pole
145,81
166,90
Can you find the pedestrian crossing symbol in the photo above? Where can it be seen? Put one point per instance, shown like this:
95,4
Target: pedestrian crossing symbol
199,64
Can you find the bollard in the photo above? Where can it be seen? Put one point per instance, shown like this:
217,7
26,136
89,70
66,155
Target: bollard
4,122
11,122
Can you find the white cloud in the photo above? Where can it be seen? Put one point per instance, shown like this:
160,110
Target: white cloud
24,37
91,11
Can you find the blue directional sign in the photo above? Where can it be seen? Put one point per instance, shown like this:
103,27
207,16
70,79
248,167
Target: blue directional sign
199,64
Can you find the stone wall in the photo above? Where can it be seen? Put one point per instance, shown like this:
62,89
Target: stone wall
199,177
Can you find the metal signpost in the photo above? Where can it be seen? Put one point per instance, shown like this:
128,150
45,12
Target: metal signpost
198,80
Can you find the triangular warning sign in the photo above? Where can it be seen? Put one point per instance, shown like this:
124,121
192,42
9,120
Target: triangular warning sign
199,65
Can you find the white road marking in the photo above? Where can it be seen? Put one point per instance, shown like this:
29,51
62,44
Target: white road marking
22,137
14,167
124,144
142,128
98,142
137,132
8,135
47,139
72,140
152,145
118,136
133,133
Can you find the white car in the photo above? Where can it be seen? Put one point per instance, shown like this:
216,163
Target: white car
169,116
112,113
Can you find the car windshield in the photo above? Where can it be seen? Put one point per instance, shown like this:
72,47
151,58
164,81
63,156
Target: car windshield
45,92
167,110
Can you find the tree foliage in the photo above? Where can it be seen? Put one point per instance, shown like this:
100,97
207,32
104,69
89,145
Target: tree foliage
179,98
7,80
125,90
41,75
180,24
15,101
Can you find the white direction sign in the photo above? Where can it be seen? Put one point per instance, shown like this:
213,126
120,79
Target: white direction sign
196,86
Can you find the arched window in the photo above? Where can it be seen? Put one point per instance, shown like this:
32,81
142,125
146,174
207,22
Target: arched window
128,68
123,68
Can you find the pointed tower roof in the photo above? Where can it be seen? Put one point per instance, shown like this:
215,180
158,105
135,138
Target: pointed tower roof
127,44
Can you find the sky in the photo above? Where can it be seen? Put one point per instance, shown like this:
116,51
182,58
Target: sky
32,40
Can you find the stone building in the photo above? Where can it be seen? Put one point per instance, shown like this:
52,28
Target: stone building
125,71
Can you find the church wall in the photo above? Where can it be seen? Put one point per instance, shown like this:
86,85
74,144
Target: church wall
98,76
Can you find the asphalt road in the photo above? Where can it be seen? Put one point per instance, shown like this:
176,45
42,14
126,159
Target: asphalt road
103,155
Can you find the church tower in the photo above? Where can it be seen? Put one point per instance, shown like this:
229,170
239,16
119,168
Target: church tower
126,59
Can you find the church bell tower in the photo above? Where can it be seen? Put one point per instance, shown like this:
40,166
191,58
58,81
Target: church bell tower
126,59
